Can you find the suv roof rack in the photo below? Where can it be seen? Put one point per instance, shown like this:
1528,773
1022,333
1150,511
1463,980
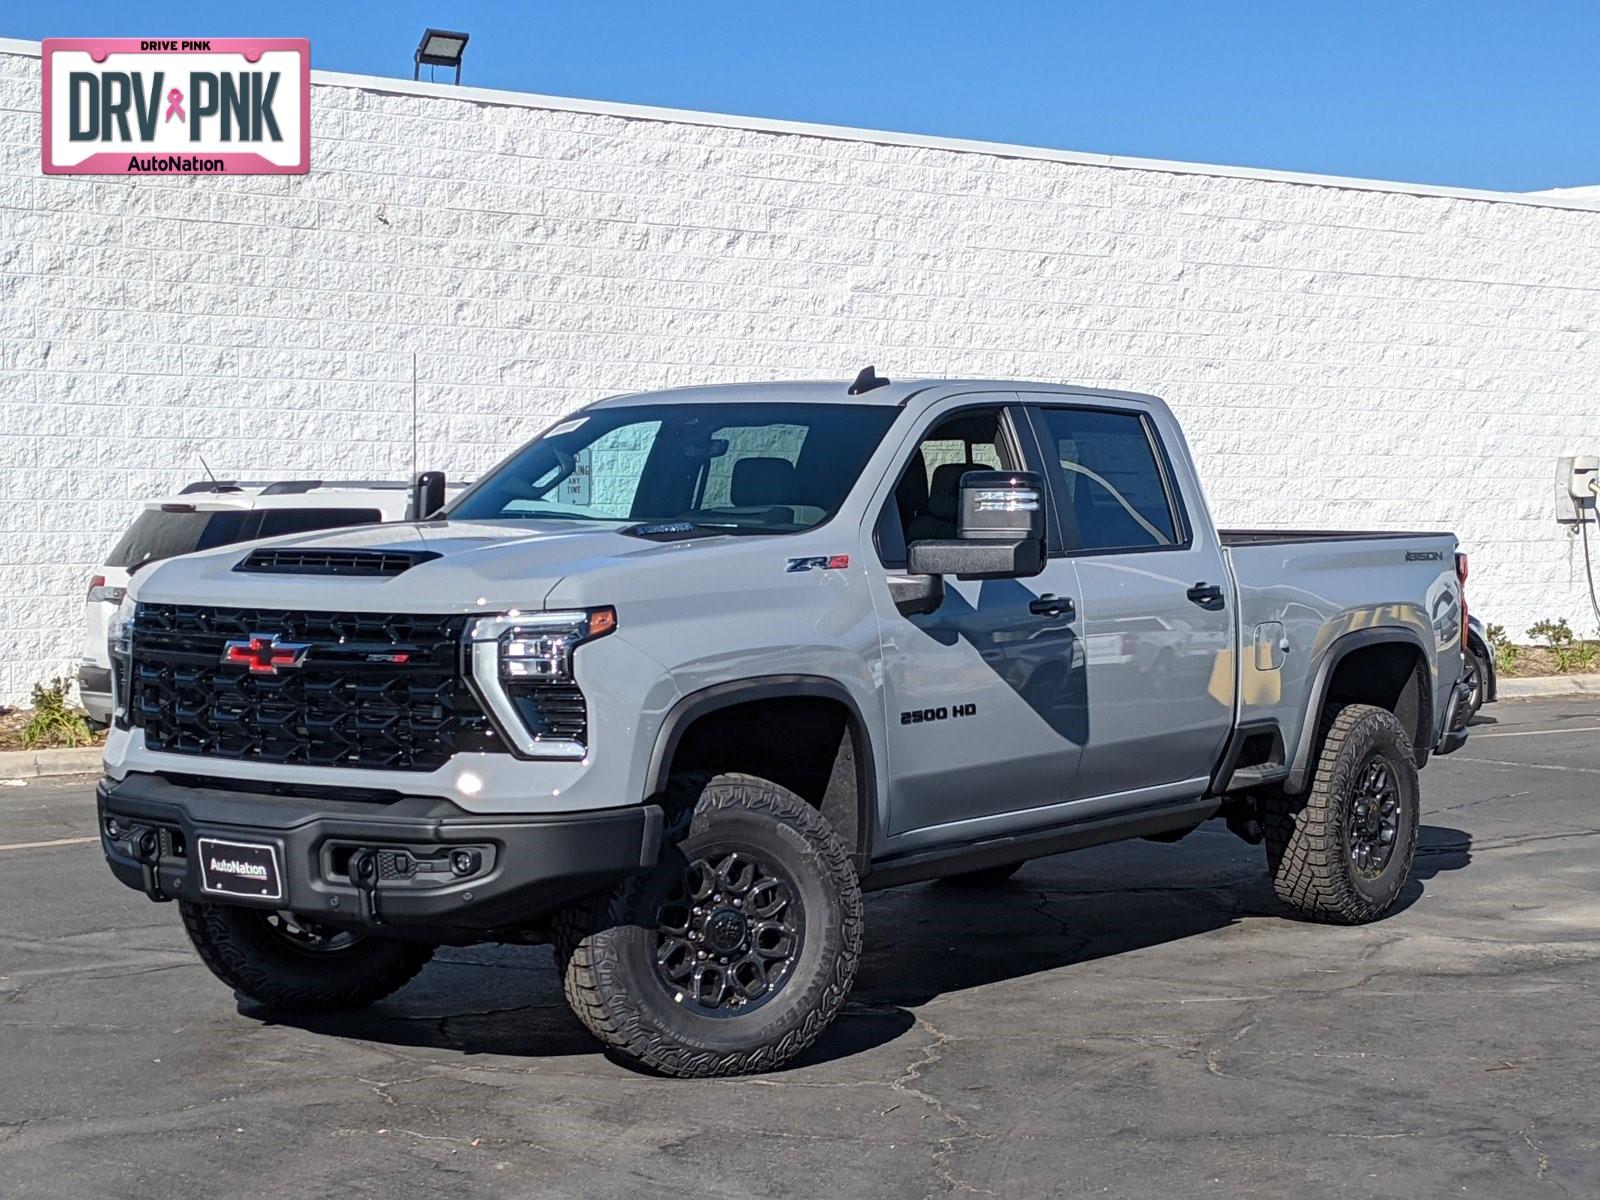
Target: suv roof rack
288,487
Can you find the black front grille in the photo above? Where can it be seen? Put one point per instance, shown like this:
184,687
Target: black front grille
311,561
370,690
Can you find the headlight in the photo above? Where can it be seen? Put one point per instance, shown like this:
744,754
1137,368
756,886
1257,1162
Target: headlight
119,638
522,666
119,630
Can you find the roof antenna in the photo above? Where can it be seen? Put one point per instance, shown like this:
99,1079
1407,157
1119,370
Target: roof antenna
866,381
207,466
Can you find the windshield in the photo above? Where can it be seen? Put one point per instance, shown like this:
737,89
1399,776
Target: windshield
758,468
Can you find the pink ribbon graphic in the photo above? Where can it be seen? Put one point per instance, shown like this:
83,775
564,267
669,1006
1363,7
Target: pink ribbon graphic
175,105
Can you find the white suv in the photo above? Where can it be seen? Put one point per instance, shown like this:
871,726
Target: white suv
217,513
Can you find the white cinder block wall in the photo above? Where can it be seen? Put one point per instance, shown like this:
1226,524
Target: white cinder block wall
1343,353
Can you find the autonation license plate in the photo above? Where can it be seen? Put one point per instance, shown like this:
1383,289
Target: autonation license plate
245,869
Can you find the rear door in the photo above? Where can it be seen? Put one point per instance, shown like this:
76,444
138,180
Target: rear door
1153,602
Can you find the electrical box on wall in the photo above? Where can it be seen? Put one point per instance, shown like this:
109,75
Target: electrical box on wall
1577,485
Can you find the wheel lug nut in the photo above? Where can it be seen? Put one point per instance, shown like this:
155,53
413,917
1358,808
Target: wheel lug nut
702,954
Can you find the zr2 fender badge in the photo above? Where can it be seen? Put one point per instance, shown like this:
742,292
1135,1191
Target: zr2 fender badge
819,562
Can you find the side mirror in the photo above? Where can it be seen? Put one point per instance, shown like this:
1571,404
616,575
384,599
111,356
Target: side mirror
427,495
1000,530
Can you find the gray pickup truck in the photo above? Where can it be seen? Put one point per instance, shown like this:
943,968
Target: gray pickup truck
680,678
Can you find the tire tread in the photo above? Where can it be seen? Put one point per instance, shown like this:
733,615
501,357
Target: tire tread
588,961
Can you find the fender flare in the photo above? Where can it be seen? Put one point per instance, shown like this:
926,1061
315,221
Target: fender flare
1360,639
694,705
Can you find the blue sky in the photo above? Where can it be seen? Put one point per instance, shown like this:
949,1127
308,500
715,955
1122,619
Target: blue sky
1471,93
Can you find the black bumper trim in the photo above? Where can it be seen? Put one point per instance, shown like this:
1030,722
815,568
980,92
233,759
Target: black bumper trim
93,678
526,865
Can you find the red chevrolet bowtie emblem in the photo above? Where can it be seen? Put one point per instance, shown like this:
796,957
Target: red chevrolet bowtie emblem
265,653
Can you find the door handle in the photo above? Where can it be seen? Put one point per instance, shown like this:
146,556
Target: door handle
1207,595
1048,605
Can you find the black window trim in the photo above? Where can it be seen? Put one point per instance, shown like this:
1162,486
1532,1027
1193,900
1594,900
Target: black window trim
1175,505
1012,426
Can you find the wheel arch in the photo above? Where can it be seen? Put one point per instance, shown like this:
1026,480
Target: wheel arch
1401,681
847,798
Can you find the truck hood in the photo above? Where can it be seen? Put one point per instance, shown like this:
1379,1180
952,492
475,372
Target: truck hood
481,566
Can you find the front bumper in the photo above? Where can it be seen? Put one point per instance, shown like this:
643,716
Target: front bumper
1456,716
522,867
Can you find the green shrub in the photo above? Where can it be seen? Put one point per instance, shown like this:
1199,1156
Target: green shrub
53,722
1495,635
1556,633
1505,657
1584,655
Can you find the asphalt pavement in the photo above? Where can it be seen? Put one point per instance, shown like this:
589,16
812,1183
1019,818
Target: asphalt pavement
1135,1020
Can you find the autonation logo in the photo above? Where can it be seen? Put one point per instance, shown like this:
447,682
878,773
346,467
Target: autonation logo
232,866
207,106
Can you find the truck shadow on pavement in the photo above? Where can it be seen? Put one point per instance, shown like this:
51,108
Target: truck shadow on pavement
923,941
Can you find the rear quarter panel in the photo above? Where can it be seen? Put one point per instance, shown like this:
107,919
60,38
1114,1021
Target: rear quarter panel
1322,591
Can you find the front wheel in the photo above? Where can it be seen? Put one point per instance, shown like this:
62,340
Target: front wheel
1342,852
735,951
295,965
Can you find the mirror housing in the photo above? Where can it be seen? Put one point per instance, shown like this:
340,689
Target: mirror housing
1000,530
427,495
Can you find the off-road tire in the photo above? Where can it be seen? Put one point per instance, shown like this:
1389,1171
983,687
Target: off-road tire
240,948
605,947
1308,849
1480,688
983,876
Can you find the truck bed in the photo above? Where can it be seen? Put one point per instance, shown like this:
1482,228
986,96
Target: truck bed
1301,591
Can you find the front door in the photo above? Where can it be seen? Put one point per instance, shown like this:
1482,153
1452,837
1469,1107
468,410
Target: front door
982,711
1152,602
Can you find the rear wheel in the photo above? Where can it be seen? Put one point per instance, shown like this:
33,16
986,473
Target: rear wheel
1342,851
735,951
289,963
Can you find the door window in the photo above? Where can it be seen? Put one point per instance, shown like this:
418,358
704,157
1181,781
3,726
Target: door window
1109,483
927,497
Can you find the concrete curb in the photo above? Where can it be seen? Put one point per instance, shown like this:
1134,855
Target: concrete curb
34,764
1548,685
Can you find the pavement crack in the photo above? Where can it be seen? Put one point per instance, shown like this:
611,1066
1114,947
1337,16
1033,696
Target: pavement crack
905,1084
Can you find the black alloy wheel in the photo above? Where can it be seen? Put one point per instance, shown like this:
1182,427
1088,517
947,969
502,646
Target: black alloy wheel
1372,820
729,933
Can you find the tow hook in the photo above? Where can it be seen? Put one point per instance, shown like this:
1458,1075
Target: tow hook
363,871
146,847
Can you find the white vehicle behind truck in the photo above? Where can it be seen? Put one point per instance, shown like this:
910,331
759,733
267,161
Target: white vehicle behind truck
211,513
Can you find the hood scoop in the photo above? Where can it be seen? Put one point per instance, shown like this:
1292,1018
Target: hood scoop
366,564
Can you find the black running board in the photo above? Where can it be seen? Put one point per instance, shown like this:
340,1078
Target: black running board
919,865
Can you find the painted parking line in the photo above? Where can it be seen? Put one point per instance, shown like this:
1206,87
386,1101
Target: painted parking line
1508,762
1534,732
75,841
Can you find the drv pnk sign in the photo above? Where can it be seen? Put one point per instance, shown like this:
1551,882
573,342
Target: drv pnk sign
171,106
